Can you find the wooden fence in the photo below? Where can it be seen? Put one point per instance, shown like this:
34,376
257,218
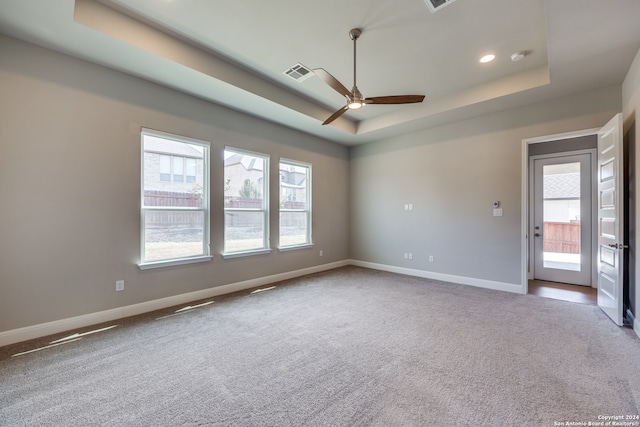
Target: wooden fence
175,218
172,198
562,237
194,219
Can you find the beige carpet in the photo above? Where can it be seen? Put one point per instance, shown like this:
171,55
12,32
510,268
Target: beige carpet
348,347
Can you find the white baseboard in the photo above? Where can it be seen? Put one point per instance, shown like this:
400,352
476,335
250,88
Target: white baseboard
481,283
49,328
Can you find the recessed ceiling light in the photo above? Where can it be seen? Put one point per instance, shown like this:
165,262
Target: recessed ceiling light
487,58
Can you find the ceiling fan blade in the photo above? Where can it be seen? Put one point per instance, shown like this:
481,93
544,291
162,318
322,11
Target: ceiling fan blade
336,115
332,81
400,99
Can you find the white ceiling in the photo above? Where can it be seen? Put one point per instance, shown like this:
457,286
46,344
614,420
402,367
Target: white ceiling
234,53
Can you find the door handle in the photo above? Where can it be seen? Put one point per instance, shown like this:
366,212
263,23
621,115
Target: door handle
618,246
537,234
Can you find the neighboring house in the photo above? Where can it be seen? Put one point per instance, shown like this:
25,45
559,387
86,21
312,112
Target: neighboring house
562,197
292,187
241,170
171,167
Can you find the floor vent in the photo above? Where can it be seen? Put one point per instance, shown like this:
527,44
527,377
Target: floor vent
299,72
436,5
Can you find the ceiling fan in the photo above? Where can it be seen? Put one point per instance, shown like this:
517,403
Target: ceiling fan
354,97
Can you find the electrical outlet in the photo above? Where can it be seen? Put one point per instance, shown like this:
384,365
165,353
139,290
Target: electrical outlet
410,255
321,253
119,285
430,258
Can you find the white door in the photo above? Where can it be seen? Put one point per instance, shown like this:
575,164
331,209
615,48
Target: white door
562,215
610,224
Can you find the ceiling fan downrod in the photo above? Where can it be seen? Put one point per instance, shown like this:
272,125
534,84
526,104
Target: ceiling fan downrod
356,101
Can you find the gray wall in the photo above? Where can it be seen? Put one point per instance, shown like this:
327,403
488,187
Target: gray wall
565,145
70,187
451,175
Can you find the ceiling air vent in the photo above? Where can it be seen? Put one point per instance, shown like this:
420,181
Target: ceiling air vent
299,72
436,5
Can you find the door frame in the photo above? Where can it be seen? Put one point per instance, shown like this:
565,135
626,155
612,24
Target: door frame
593,247
525,200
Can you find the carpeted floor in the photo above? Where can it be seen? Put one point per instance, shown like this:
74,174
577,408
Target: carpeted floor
348,347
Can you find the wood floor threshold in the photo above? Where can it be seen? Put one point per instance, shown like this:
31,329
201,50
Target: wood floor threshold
564,292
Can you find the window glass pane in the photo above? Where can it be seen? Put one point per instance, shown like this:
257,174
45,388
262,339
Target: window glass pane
244,180
191,170
561,212
175,214
178,169
165,163
245,201
293,228
293,186
165,167
244,231
295,208
158,189
173,234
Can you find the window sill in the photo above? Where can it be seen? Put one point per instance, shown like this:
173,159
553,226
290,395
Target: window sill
293,248
246,253
172,262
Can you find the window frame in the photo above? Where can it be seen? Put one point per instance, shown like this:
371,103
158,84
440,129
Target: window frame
266,210
205,209
308,204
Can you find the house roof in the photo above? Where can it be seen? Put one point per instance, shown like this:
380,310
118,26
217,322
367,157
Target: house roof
234,53
247,161
562,186
159,145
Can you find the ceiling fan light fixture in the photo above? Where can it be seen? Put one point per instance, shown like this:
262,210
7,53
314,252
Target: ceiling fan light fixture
354,105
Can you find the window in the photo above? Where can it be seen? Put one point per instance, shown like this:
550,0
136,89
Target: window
175,200
178,168
295,204
165,168
246,202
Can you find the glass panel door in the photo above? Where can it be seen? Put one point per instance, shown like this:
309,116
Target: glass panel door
561,222
561,216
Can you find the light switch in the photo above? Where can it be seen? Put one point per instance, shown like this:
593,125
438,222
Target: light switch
497,212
